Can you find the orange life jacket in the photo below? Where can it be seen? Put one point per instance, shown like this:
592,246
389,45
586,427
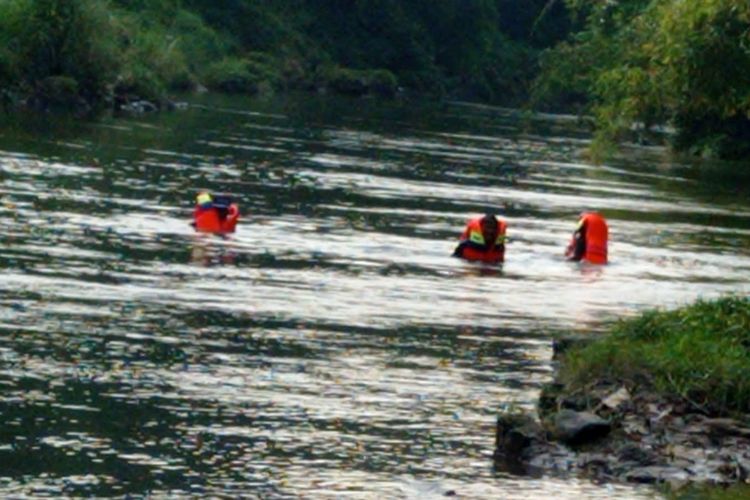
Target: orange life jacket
597,234
476,248
208,220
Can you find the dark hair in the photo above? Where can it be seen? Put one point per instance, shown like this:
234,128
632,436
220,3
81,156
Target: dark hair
490,217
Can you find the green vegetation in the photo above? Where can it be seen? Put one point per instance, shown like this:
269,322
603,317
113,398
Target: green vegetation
699,353
631,64
62,53
709,492
649,62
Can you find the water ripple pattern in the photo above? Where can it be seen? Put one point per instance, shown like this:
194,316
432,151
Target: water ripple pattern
331,348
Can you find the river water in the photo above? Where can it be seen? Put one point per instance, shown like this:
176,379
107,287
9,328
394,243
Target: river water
331,348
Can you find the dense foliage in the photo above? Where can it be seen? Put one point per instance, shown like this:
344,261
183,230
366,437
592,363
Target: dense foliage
632,64
92,49
680,62
698,353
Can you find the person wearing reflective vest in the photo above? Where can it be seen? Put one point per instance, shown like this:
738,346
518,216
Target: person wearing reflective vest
589,242
483,240
215,214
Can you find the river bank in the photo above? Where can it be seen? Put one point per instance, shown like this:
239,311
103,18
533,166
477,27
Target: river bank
661,399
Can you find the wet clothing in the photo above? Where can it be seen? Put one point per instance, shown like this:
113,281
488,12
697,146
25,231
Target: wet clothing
215,215
589,241
472,245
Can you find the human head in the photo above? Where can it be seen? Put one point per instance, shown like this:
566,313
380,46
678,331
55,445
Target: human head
203,198
489,226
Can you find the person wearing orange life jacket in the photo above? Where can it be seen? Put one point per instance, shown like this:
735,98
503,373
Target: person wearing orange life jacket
215,214
483,240
589,242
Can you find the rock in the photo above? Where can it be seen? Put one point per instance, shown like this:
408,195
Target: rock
598,461
726,427
654,474
635,425
616,399
578,402
550,457
577,428
650,437
548,399
180,105
138,107
515,433
633,453
676,484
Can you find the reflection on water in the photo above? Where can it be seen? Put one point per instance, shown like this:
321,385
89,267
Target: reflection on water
331,347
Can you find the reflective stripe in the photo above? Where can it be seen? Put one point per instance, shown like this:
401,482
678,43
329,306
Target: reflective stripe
476,237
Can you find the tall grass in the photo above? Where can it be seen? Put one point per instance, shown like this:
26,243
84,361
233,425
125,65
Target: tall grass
699,353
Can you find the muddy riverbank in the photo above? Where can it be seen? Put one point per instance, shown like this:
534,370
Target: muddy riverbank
608,432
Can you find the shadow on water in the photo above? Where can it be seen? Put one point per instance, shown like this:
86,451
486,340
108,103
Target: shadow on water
331,346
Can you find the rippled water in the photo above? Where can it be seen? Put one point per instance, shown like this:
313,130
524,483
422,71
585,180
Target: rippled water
331,347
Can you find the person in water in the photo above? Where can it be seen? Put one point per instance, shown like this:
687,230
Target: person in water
483,240
589,242
215,214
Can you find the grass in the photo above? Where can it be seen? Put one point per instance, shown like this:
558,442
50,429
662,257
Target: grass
735,492
699,353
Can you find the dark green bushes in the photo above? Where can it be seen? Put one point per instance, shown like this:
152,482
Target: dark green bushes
358,82
49,50
698,353
82,53
253,74
682,62
136,49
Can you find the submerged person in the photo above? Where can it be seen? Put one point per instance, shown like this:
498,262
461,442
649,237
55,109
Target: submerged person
589,242
483,240
215,214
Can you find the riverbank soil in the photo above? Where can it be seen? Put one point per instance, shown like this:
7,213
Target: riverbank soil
644,420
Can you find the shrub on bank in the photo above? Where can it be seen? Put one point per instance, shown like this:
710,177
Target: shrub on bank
699,353
358,82
51,45
249,75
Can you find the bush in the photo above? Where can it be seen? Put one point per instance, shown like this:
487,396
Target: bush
383,82
660,61
139,82
231,74
257,72
153,53
358,82
203,44
57,91
68,37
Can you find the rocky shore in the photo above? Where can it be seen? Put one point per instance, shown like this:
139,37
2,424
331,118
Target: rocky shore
609,432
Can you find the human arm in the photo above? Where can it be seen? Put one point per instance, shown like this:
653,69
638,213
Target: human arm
577,247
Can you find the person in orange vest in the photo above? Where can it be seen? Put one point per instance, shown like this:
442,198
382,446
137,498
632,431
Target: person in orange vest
483,240
215,214
589,242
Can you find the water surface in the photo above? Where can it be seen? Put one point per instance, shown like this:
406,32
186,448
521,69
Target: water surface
331,347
